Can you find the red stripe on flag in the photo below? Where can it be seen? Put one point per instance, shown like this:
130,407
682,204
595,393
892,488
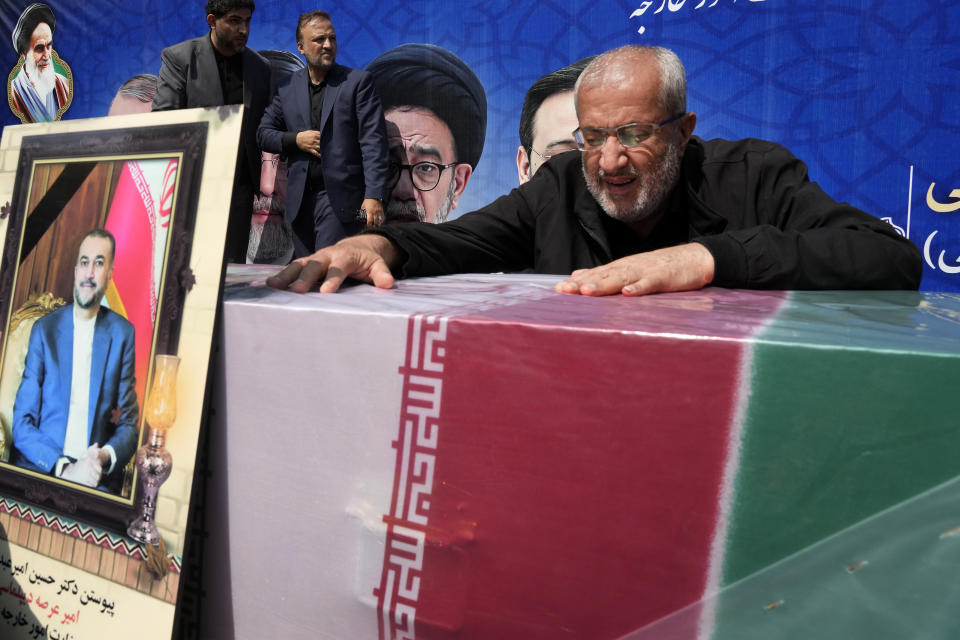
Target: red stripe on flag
586,468
129,220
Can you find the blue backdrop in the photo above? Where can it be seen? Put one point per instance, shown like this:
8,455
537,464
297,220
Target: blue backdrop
864,91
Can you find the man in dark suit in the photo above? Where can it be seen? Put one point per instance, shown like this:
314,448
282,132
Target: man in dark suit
219,69
328,121
76,414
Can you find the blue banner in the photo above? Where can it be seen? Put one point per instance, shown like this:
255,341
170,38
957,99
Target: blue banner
864,91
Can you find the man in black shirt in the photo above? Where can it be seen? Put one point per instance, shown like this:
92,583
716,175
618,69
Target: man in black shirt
644,206
219,69
327,120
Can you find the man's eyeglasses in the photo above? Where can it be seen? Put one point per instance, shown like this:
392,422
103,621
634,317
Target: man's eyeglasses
630,135
425,176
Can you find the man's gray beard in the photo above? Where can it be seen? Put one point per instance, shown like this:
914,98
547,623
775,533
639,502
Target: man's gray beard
401,210
43,81
655,187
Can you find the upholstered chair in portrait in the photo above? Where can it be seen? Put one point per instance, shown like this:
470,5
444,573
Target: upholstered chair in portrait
18,340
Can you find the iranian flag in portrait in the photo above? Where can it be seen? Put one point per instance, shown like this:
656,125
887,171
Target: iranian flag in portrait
139,219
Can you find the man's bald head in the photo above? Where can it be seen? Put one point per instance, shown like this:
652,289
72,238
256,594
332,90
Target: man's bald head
618,67
633,128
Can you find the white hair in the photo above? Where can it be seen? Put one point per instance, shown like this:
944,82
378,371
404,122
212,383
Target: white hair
673,78
45,80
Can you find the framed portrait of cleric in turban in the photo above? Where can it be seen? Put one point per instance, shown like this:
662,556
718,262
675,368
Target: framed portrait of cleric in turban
112,233
40,85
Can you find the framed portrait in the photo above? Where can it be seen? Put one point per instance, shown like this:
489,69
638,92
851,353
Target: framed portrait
112,235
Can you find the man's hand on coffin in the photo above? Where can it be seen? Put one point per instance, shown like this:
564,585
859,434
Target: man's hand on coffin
365,257
685,267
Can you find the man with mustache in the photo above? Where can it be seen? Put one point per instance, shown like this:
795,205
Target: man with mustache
435,130
327,120
38,92
219,69
645,207
76,415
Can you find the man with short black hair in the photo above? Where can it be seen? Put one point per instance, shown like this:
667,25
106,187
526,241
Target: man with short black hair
219,69
76,415
548,118
645,208
327,120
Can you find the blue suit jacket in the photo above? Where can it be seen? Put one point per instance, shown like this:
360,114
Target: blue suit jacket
43,399
353,142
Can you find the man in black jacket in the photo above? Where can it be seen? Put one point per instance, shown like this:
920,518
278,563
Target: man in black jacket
643,207
219,69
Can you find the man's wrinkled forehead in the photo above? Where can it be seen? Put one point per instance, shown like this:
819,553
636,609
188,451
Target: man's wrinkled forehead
418,132
619,106
638,74
415,145
42,36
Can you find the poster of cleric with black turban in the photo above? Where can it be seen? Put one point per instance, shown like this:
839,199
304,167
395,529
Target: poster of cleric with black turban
40,86
443,122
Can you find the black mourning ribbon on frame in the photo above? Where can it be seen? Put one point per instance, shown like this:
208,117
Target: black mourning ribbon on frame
52,204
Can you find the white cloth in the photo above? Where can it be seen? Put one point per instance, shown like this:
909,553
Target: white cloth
77,438
76,441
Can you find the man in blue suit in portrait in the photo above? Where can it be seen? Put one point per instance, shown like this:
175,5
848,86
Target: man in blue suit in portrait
327,120
76,415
